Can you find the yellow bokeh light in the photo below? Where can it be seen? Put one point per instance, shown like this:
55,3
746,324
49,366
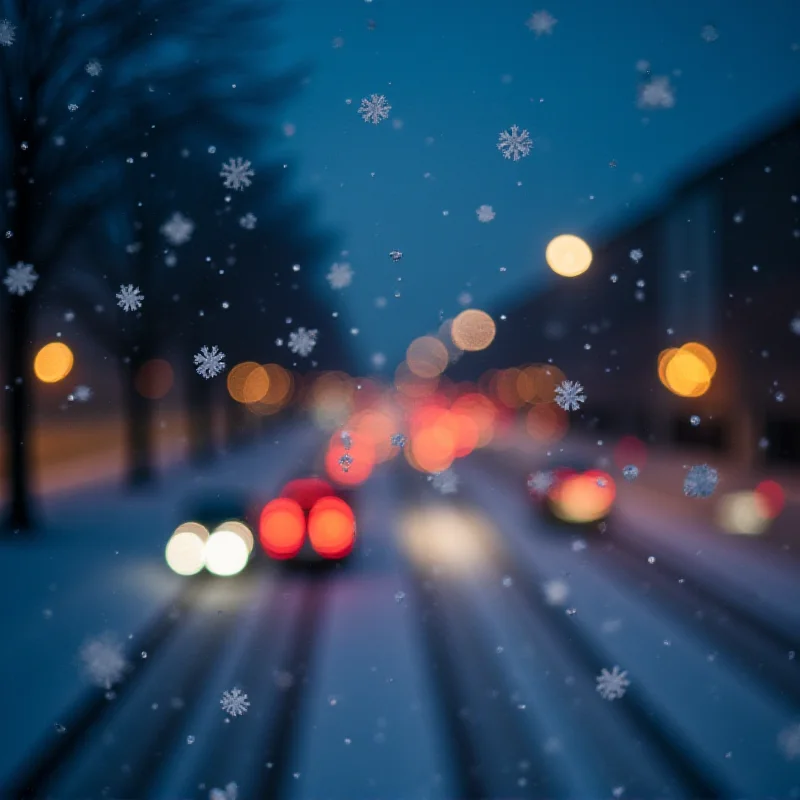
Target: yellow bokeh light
473,330
568,256
743,513
226,553
686,375
53,362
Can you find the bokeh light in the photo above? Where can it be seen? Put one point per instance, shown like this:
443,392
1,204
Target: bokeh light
568,256
536,383
546,423
772,496
154,379
743,513
473,330
185,551
362,453
53,362
226,553
282,528
427,357
332,528
583,498
238,528
687,371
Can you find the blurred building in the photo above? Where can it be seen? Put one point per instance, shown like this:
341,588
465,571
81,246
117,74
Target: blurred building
718,263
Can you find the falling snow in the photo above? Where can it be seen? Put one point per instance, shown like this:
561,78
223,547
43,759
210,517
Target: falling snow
177,230
569,395
7,33
515,144
94,68
612,685
236,174
445,482
129,298
700,481
485,213
209,362
656,93
374,109
541,22
340,276
20,279
234,702
248,221
539,482
302,341
103,660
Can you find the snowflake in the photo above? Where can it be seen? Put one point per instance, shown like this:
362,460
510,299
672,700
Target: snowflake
236,173
209,362
539,483
7,34
72,107
234,702
340,276
657,93
378,360
178,229
248,221
515,144
230,792
398,440
569,395
345,462
94,68
630,472
708,33
541,22
395,255
612,685
794,326
445,482
375,109
556,592
80,394
485,213
130,299
347,441
103,660
636,255
700,481
789,742
20,279
464,299
302,342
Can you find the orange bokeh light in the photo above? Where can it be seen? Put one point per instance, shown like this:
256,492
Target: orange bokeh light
427,357
53,362
282,528
361,451
546,422
332,528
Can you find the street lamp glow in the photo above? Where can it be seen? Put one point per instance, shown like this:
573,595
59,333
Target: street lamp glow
53,362
568,256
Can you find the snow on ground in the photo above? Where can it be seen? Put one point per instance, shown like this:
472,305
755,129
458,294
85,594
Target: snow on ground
97,565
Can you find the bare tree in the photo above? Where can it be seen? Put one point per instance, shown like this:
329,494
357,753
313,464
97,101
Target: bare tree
84,85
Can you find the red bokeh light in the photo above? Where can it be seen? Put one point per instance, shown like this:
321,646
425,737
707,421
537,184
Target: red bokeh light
630,450
773,497
282,528
332,528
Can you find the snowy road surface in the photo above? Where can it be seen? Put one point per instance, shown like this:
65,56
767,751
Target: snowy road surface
455,656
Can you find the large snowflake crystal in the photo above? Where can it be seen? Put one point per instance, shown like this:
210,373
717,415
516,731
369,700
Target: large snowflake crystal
374,109
612,685
569,395
20,279
302,342
636,255
234,702
657,93
700,481
515,144
248,221
104,660
209,362
236,174
94,68
129,298
485,213
541,22
7,33
340,276
177,230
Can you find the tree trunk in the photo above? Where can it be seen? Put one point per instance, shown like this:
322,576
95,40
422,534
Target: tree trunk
139,433
19,375
201,424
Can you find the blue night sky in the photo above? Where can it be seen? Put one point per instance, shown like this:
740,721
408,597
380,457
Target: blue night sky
456,74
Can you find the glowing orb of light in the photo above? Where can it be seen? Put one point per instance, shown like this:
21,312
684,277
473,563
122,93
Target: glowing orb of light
226,553
282,528
185,551
53,362
743,513
473,330
332,528
568,256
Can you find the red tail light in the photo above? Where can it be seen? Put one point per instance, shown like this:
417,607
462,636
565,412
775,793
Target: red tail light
332,528
282,528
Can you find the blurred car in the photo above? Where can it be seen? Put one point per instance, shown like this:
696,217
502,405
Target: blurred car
309,523
574,492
